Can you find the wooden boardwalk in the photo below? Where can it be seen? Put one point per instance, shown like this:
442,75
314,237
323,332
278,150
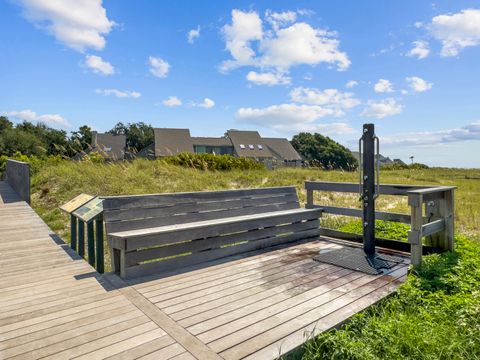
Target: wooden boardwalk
54,305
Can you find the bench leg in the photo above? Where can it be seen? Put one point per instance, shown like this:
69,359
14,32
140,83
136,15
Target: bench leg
118,262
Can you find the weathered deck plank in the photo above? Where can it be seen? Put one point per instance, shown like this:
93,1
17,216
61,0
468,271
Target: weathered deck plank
256,306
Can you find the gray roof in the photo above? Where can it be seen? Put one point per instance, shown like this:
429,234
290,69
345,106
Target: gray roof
211,141
172,141
282,149
111,146
242,141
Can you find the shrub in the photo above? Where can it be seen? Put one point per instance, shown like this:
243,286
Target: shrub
321,151
212,162
94,157
399,166
383,229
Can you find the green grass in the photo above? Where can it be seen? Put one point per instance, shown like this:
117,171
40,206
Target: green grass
435,315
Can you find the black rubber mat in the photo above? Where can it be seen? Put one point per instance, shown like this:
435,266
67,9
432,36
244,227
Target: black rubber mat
355,259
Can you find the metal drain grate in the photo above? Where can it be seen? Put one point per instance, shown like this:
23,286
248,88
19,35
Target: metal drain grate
355,259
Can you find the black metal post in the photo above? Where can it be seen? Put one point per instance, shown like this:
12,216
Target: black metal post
368,189
99,244
81,238
73,232
91,243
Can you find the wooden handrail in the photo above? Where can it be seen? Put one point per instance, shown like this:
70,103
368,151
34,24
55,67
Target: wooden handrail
437,201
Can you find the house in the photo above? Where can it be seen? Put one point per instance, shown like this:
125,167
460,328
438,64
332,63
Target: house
111,147
283,152
247,144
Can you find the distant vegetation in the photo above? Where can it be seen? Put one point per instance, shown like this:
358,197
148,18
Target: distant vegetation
398,166
139,135
41,141
212,162
321,151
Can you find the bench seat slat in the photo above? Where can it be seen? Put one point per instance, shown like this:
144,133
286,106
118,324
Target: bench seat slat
161,235
216,242
178,263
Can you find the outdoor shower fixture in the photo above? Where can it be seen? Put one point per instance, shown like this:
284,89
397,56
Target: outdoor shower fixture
368,260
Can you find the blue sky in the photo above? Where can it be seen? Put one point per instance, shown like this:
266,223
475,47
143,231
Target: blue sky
280,67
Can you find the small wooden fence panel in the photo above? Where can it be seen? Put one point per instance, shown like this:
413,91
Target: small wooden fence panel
432,214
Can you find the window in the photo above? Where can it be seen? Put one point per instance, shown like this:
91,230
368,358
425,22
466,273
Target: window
242,146
260,147
251,147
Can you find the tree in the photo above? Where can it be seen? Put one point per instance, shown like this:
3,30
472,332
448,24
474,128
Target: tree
322,151
139,135
14,139
81,139
5,123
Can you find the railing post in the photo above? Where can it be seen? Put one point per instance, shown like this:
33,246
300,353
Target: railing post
433,211
73,232
449,217
309,198
90,243
81,238
415,201
99,243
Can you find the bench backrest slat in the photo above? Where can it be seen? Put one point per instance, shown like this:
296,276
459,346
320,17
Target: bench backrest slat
136,212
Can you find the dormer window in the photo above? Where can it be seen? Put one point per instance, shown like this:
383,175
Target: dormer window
260,147
251,147
242,146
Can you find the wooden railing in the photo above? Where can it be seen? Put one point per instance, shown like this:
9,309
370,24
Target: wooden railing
17,175
432,215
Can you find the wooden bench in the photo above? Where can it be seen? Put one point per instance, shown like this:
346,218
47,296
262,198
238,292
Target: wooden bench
162,232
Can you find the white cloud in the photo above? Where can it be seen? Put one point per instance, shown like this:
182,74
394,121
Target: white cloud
335,128
302,44
288,118
383,86
193,34
206,103
98,65
329,98
420,50
280,19
119,93
464,133
268,78
158,67
32,116
79,25
382,108
172,101
350,84
245,28
286,44
456,31
418,84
